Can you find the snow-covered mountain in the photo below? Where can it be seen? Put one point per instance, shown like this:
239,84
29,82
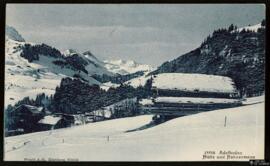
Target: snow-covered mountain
12,33
88,55
95,66
126,67
32,68
69,52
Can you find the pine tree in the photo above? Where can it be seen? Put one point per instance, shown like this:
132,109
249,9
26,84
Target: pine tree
263,23
231,28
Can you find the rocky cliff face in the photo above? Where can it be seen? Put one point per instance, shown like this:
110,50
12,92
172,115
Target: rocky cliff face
237,53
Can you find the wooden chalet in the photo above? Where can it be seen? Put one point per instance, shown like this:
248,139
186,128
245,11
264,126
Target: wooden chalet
68,118
179,94
122,108
51,122
25,117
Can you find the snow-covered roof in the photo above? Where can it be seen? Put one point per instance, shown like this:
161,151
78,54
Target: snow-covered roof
195,100
192,82
31,108
146,102
107,85
51,120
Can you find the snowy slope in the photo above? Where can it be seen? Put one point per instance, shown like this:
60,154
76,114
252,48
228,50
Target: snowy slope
24,79
20,76
254,100
126,67
138,81
181,139
12,33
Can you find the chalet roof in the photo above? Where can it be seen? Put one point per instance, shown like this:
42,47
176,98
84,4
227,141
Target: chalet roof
193,82
195,100
50,120
33,109
146,102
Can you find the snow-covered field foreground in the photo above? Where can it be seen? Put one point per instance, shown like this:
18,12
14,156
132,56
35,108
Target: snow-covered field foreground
181,139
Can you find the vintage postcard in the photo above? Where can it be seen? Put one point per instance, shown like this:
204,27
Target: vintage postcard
134,82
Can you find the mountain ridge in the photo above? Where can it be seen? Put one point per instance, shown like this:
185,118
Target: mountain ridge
32,68
126,66
12,33
227,52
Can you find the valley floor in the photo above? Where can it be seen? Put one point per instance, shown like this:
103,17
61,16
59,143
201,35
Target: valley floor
181,139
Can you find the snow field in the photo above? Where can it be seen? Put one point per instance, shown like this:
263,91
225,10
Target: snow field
181,139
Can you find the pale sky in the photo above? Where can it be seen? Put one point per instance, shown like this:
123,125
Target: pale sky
146,33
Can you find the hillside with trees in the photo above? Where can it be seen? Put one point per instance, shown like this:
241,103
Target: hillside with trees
74,95
227,52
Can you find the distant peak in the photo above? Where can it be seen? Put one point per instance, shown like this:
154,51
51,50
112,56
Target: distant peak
13,34
70,52
89,54
126,66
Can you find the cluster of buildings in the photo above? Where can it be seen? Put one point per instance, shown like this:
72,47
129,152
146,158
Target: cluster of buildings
173,95
27,118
